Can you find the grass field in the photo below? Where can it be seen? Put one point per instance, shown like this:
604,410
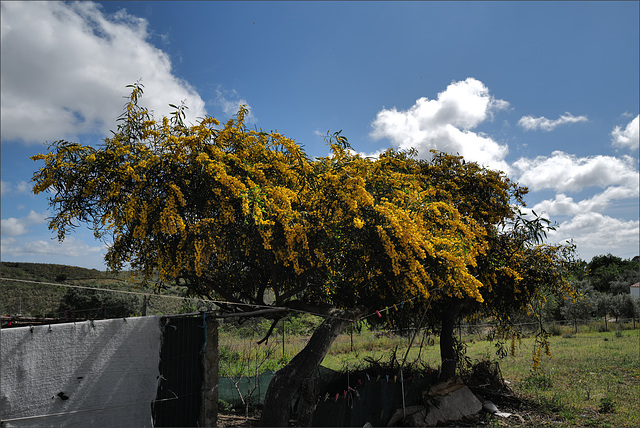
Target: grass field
592,380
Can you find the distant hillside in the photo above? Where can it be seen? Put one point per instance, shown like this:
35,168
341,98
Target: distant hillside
52,272
40,300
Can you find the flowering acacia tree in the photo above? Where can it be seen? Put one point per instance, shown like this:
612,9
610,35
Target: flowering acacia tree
517,271
244,216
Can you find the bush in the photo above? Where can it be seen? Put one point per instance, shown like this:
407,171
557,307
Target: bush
227,355
555,330
225,407
82,303
598,326
302,325
607,405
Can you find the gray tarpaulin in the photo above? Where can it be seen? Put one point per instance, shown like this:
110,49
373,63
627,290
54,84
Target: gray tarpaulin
94,373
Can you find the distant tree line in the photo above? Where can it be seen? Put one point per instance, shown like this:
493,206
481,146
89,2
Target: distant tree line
603,291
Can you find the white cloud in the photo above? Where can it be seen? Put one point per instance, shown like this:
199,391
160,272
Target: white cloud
70,247
591,229
531,123
595,234
230,102
65,66
13,227
8,187
565,172
565,205
445,124
70,252
22,187
19,226
629,136
373,155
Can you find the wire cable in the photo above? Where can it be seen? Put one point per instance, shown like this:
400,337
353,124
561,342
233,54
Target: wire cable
217,302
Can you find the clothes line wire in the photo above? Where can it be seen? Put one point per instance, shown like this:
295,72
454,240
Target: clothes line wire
138,293
218,302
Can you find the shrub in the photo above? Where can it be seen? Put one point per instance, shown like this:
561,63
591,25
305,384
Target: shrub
303,324
227,355
598,326
223,406
94,304
607,405
555,330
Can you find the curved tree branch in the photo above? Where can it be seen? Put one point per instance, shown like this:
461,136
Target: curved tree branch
266,336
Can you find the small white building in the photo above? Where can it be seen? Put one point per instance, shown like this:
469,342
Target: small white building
635,290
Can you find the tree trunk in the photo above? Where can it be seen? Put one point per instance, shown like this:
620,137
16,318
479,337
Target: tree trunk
287,381
447,342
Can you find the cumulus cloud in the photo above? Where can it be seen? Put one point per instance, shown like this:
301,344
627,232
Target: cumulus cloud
531,123
565,172
373,155
629,136
71,252
20,243
230,102
446,124
65,66
19,187
595,233
19,226
13,227
566,205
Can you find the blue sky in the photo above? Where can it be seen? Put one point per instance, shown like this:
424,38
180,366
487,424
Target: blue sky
545,91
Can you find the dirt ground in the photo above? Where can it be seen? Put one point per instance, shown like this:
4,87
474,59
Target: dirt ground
228,420
524,414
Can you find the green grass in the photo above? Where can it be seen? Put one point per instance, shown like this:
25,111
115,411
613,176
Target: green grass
592,380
